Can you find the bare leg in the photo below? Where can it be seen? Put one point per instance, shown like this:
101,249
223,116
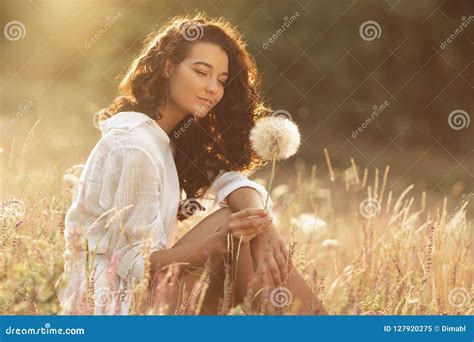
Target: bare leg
243,274
190,275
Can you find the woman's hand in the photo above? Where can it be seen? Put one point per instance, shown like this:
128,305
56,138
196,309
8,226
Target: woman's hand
246,224
270,257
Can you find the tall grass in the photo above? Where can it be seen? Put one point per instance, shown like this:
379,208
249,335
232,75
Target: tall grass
382,250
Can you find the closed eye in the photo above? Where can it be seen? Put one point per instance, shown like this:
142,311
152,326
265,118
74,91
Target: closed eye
204,74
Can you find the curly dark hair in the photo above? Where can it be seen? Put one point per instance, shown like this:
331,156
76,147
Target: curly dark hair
220,140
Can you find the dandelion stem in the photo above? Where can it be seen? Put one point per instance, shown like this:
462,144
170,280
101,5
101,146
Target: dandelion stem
271,180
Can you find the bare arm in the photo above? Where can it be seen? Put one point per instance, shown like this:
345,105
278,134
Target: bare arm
242,225
194,254
245,197
268,249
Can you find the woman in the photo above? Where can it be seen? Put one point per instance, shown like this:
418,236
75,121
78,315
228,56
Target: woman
181,122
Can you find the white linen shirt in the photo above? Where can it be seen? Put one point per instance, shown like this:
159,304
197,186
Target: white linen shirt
127,198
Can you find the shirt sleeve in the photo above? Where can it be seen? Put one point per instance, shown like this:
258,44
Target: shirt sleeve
227,182
131,188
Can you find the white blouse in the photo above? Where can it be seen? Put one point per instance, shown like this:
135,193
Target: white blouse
126,201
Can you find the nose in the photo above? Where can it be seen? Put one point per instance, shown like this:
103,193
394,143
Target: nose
212,86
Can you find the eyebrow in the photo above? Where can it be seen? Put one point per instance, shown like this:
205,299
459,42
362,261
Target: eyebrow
210,66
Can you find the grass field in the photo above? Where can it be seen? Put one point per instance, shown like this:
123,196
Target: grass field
364,247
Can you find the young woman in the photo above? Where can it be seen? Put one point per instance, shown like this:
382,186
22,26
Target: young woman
181,122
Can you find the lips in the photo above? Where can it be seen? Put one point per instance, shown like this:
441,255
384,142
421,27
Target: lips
207,103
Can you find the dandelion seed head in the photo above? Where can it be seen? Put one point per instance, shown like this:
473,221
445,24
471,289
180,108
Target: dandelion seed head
275,135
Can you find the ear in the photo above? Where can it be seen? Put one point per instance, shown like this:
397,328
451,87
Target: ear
169,67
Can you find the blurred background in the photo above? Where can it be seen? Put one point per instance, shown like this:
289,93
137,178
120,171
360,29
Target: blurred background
382,82
372,83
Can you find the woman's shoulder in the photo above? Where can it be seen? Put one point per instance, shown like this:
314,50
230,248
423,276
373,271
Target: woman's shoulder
131,130
124,145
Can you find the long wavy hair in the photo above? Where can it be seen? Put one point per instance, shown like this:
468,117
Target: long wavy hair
220,140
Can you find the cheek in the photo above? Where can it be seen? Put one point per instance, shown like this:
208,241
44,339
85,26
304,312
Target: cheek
183,89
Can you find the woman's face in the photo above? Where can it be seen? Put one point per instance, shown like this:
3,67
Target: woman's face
197,84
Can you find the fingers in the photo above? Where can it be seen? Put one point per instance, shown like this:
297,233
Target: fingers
268,278
248,212
258,222
249,228
275,271
281,262
284,249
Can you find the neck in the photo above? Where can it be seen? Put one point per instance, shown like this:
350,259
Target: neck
171,116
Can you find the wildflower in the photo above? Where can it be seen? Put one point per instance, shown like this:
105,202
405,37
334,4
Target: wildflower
308,223
70,180
71,177
329,243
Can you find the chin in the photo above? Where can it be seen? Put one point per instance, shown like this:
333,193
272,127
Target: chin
200,111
